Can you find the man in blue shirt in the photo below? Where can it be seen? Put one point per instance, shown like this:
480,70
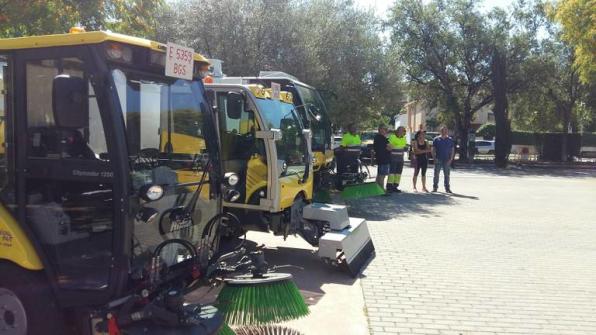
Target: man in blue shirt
443,153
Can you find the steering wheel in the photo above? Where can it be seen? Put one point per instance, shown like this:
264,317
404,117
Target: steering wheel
147,157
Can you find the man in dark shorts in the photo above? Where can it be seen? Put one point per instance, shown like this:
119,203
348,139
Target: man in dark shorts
443,154
382,154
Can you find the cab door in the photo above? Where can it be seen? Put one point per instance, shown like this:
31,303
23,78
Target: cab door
242,152
65,172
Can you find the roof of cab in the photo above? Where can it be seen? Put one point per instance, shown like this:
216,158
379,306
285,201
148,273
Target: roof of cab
257,90
80,38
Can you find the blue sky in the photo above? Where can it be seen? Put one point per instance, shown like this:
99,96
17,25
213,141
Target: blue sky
381,6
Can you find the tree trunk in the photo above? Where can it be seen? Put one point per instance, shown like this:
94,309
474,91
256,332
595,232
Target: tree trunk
502,123
564,138
463,144
464,131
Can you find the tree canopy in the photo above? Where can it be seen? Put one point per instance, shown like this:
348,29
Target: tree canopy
329,44
445,48
578,21
37,17
537,58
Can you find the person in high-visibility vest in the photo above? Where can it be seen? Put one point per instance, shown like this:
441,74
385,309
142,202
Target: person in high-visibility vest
345,159
351,138
398,143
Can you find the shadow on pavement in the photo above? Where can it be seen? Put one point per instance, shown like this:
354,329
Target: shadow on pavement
310,273
385,208
527,171
463,196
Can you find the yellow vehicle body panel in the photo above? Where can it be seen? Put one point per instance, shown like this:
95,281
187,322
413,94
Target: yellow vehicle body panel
328,157
319,160
322,159
291,186
183,144
191,176
92,37
2,144
15,246
256,175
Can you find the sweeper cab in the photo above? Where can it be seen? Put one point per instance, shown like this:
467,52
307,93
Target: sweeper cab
311,111
110,188
267,163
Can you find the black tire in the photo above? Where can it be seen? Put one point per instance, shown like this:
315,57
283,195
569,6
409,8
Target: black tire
27,291
491,152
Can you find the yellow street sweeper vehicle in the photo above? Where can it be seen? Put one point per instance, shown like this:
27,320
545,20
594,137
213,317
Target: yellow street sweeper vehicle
110,188
312,112
266,154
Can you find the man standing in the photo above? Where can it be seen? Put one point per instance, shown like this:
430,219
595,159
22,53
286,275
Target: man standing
383,155
398,143
443,152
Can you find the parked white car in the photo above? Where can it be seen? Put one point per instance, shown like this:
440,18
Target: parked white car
485,147
336,142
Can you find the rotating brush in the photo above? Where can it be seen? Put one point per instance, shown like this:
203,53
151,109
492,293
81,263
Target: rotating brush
226,330
262,299
266,330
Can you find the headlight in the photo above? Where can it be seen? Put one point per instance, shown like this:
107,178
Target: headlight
231,178
232,195
151,192
284,166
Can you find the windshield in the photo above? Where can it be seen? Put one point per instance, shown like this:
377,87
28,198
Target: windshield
313,104
291,149
164,128
168,133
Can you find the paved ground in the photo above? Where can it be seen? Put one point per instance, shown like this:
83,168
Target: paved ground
510,253
335,299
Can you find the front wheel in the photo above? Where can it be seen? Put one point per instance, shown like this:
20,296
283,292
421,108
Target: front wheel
27,305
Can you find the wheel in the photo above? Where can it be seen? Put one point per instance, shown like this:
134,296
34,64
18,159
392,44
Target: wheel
27,305
491,152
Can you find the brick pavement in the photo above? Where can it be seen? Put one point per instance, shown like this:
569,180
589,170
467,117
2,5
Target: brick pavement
514,253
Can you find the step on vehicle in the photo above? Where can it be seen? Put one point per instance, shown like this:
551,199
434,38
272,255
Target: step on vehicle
266,157
110,187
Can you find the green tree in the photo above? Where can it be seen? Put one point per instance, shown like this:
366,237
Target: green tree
446,48
578,21
40,17
329,44
553,98
513,41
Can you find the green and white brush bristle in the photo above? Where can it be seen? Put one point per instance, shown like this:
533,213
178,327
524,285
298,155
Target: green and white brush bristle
359,191
226,330
266,330
260,303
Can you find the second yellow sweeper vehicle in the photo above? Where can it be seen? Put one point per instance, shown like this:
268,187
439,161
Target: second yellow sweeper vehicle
266,155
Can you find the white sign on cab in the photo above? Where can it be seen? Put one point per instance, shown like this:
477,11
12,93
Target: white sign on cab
179,61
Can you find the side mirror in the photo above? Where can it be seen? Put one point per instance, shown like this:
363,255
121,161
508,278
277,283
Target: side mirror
315,112
235,105
70,101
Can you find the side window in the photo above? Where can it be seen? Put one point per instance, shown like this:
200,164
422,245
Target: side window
237,131
241,124
3,106
63,120
68,189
